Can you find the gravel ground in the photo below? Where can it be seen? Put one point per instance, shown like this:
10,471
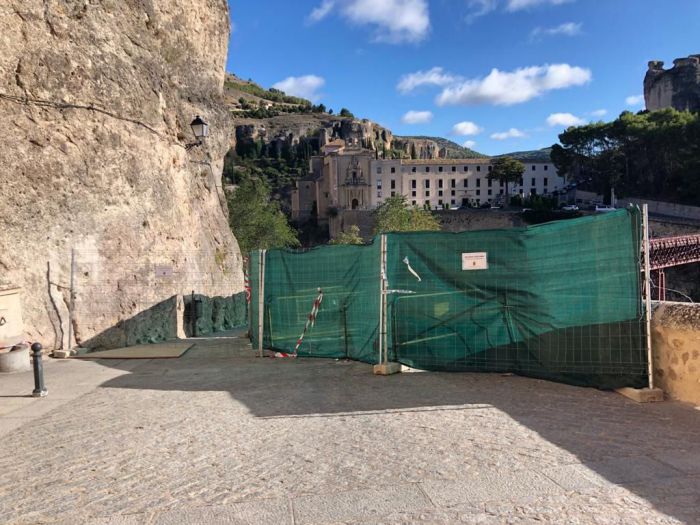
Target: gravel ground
219,436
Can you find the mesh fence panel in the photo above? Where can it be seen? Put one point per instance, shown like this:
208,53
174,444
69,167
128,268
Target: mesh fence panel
559,301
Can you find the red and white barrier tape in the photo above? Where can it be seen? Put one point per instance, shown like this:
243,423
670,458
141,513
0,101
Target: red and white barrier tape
246,281
311,321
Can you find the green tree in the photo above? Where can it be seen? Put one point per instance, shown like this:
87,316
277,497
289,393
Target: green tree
345,112
507,170
257,222
394,215
351,236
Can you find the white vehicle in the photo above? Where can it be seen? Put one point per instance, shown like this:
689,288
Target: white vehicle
570,207
603,208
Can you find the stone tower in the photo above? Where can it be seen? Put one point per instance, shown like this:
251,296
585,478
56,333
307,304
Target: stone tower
678,87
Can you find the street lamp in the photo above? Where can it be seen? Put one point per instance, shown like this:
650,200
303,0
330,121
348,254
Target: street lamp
200,129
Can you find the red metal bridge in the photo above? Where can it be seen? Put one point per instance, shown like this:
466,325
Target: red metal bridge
666,252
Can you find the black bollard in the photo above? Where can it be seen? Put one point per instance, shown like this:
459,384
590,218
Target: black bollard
39,388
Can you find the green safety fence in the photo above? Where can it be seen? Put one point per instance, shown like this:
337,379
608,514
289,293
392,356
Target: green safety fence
559,301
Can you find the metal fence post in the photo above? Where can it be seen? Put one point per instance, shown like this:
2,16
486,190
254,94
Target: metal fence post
647,293
383,351
261,301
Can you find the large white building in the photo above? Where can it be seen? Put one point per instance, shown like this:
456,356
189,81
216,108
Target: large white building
346,177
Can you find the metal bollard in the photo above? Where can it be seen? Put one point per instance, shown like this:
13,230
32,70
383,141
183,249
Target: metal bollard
39,388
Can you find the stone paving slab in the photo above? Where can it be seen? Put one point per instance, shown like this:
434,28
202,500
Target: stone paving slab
490,486
369,504
263,512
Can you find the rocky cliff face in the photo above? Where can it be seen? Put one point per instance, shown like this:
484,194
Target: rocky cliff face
96,99
289,129
678,87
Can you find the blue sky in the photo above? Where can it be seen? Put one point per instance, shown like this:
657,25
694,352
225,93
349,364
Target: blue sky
506,75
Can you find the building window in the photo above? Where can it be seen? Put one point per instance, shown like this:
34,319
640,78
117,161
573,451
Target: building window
427,193
534,181
413,169
490,192
478,183
379,170
413,193
453,202
427,183
393,184
413,184
501,192
454,193
521,181
440,202
393,169
413,202
440,169
427,169
393,194
490,182
466,183
546,181
466,168
490,168
454,168
546,167
440,193
478,168
534,168
440,183
453,183
533,191
379,184
478,192
379,194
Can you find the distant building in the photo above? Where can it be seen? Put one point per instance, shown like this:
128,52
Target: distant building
347,177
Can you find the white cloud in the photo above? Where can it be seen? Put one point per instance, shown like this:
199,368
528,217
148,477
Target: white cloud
504,88
306,86
599,113
466,129
322,11
567,29
565,119
635,100
469,144
433,77
484,7
417,117
512,133
395,21
518,5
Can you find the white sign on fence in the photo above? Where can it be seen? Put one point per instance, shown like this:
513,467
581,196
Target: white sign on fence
475,261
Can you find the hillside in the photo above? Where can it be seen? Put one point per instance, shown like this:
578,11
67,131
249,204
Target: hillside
449,149
539,155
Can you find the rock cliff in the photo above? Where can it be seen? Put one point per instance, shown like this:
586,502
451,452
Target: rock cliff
678,87
96,99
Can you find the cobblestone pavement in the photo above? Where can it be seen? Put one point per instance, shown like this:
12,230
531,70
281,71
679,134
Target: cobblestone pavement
219,436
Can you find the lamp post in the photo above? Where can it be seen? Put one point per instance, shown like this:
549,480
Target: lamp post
200,130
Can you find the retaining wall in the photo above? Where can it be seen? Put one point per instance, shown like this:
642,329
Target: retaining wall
676,346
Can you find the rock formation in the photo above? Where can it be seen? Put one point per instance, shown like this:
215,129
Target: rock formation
678,87
96,99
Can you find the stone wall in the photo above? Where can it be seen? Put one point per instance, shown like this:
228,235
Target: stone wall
678,87
669,209
97,98
676,346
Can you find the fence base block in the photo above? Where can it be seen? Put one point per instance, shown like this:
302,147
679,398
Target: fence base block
387,369
642,395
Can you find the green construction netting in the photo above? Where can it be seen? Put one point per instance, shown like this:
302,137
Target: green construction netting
558,301
346,326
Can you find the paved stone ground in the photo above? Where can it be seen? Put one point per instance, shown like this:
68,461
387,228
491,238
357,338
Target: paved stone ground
219,436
